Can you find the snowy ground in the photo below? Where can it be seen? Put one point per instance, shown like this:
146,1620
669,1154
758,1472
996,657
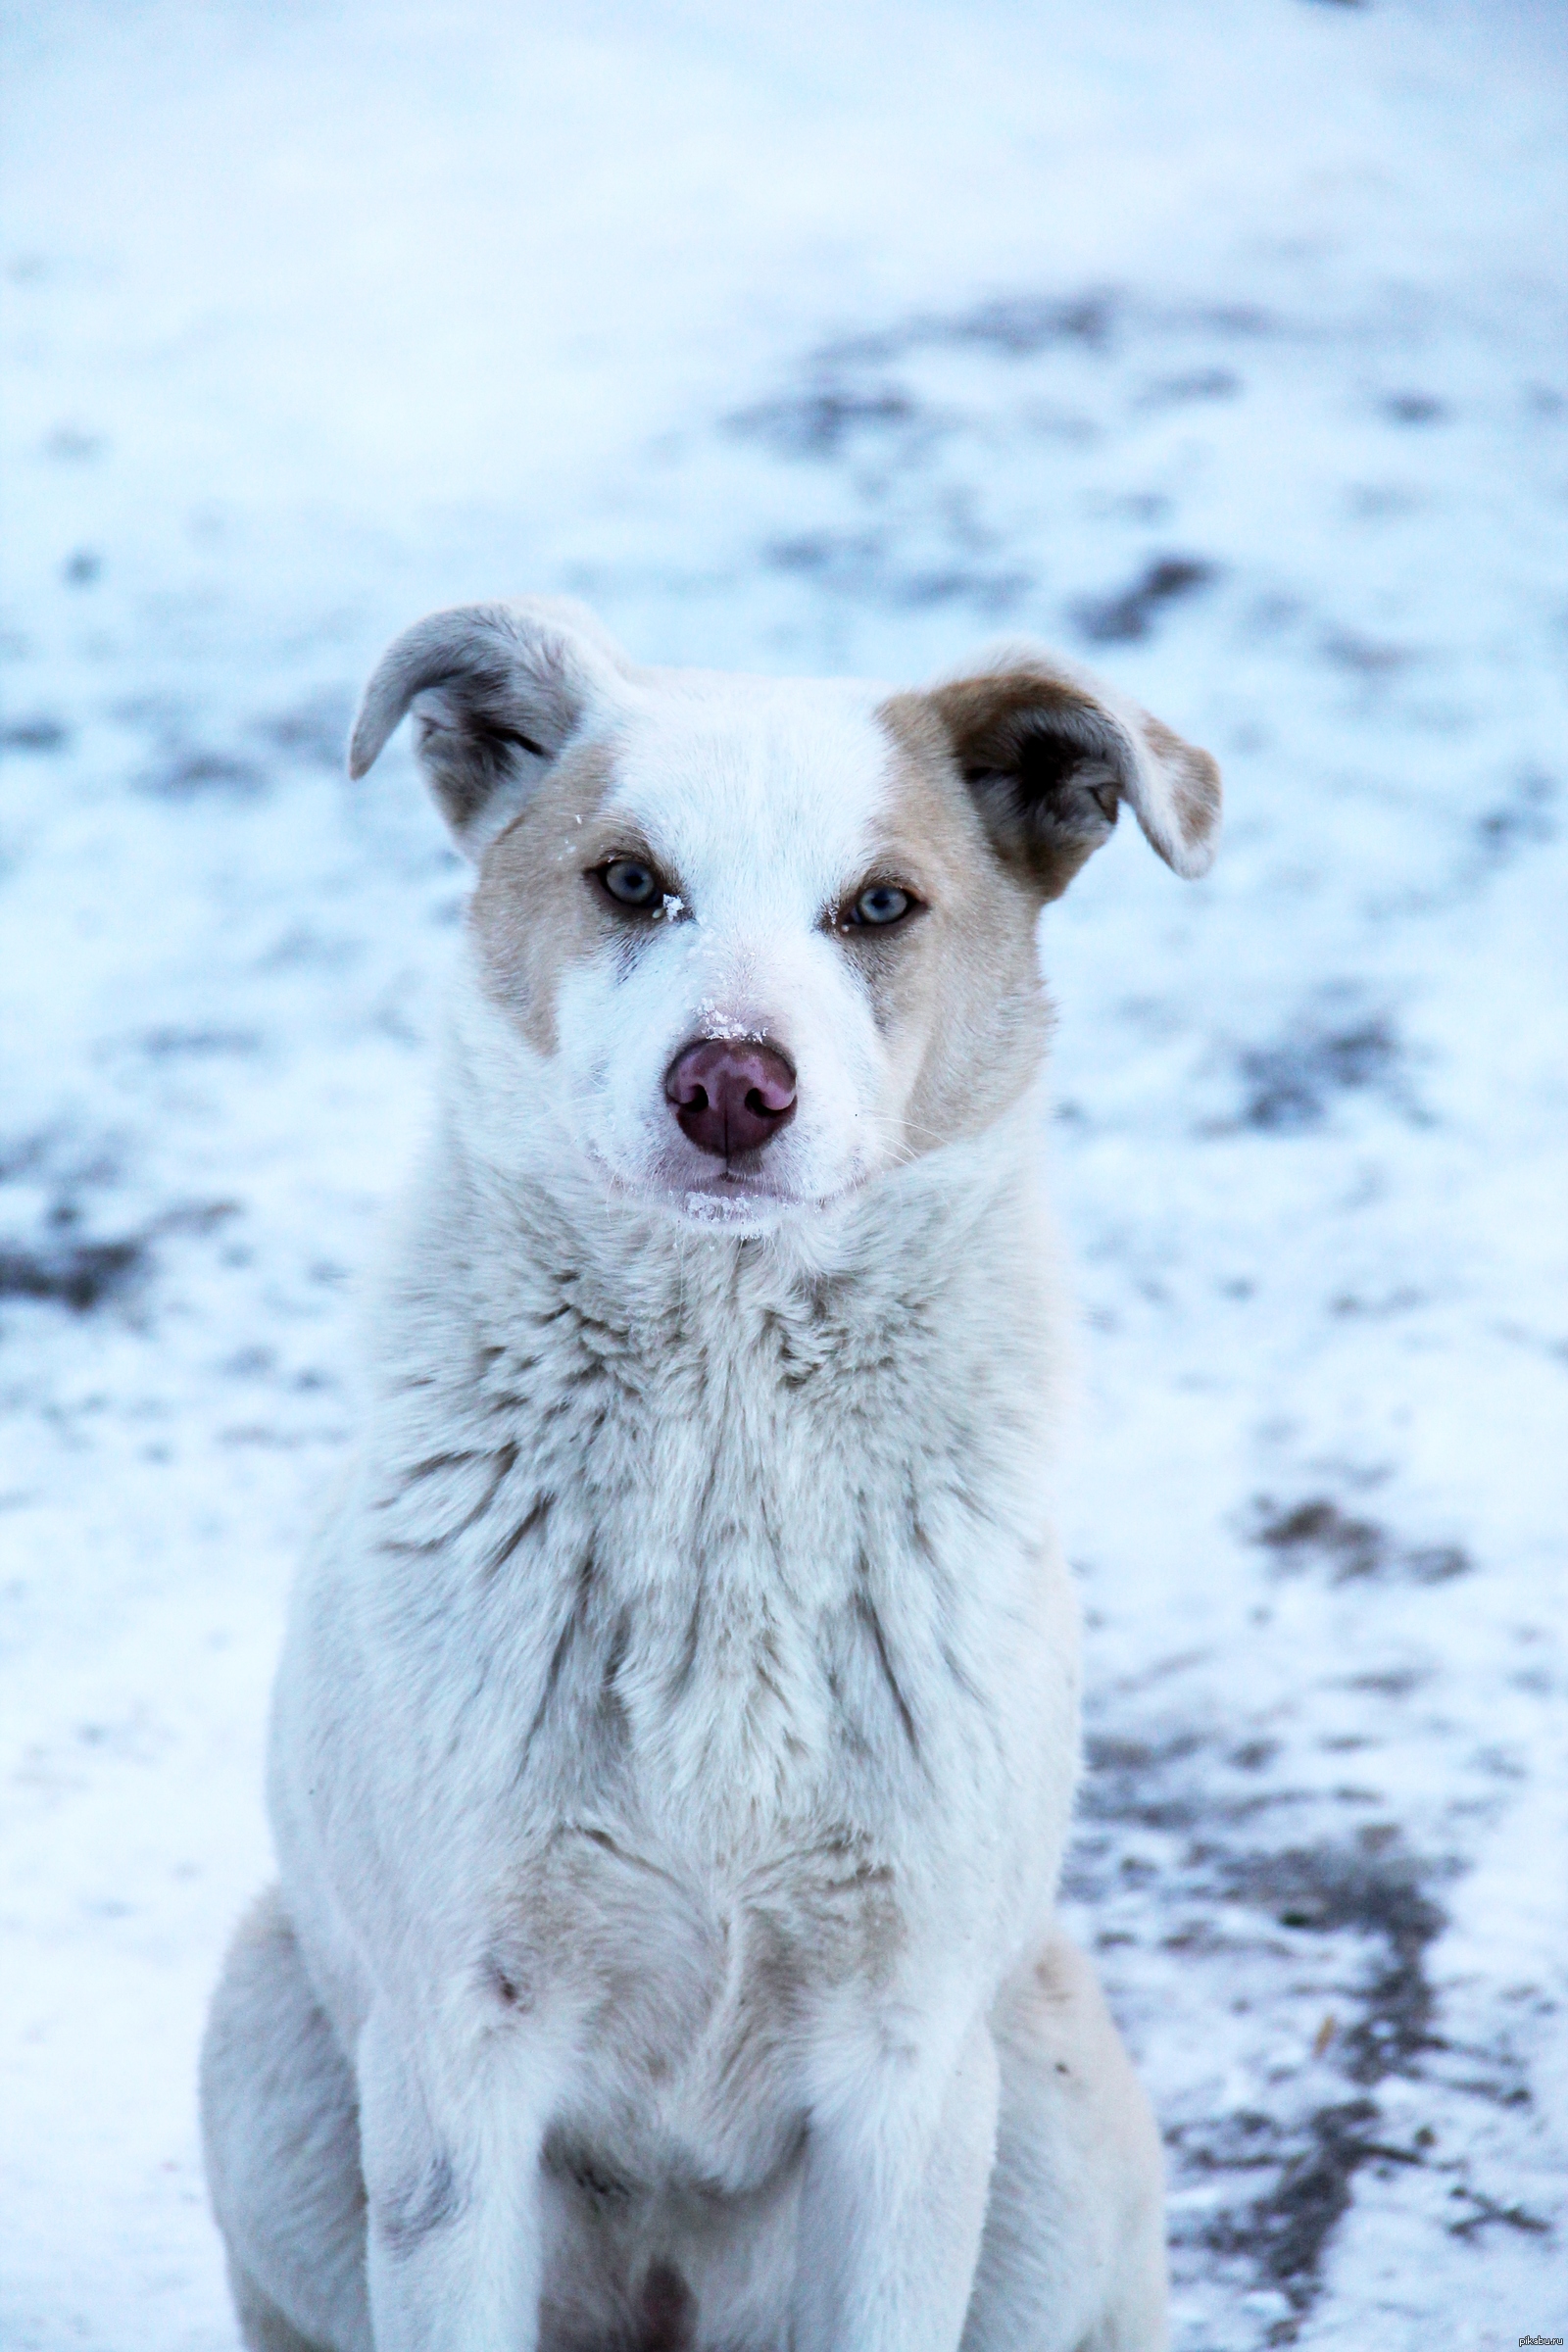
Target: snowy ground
1222,341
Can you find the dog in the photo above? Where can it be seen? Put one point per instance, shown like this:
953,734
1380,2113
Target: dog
675,1739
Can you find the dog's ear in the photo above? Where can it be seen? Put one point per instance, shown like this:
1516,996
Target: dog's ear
1050,753
498,691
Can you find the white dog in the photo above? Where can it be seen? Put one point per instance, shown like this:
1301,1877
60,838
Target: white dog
674,1745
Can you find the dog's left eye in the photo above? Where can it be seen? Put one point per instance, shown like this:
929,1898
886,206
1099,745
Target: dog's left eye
883,903
631,883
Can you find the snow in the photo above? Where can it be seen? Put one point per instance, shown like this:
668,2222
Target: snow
1222,342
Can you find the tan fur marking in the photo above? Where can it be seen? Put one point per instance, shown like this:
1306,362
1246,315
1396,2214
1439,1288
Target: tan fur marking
961,994
974,709
531,914
987,718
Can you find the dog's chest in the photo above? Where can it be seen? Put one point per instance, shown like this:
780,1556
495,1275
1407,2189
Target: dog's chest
689,1992
709,1663
722,1562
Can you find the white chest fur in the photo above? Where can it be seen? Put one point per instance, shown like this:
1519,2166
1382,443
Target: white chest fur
694,1616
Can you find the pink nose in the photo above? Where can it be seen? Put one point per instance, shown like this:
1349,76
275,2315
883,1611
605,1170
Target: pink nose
730,1098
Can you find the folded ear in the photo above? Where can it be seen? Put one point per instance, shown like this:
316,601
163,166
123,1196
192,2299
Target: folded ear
1050,753
497,691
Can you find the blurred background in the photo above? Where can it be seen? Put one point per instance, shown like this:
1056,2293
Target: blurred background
1221,342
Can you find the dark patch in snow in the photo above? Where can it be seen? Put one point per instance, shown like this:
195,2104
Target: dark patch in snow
1126,1780
1231,319
1397,1683
39,734
49,1251
1324,1889
80,1275
1366,655
1015,326
1486,2211
1291,1086
1120,620
846,558
70,443
82,569
315,731
854,565
46,1254
1414,407
1205,383
1285,2231
1399,1301
1520,821
1019,326
192,773
818,423
1319,1939
1319,1530
200,1043
912,418
996,593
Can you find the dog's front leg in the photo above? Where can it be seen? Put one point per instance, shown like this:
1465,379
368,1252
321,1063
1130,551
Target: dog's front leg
897,2172
449,2151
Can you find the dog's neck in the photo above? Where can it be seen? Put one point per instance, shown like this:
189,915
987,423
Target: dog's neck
532,1228
513,1249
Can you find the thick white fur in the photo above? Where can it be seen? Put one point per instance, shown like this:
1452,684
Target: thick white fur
674,1745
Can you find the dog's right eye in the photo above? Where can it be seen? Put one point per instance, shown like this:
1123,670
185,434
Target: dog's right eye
632,883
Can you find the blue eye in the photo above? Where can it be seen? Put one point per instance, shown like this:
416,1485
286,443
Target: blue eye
631,883
883,903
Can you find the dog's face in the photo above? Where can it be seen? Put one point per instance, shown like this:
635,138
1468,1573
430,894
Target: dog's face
761,941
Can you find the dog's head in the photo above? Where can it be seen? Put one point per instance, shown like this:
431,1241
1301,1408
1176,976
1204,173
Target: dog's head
759,940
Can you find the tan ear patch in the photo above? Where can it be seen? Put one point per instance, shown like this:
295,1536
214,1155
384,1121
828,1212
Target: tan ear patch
1043,767
960,1002
1048,752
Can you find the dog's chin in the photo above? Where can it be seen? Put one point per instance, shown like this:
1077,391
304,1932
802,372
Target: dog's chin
744,1207
744,1203
747,1217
